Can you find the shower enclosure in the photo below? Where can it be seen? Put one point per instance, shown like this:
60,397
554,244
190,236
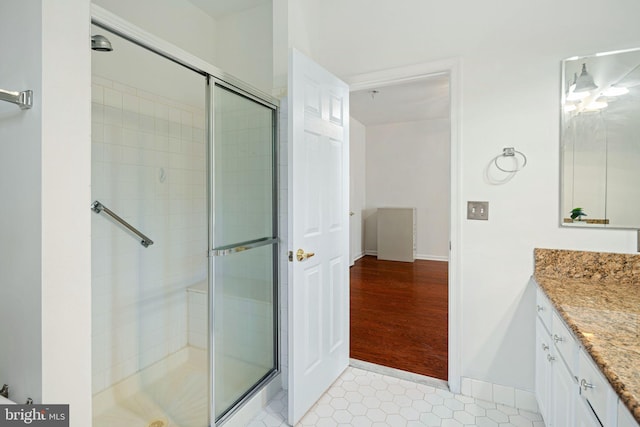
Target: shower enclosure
184,240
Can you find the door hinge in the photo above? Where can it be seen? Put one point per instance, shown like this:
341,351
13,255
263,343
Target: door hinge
290,256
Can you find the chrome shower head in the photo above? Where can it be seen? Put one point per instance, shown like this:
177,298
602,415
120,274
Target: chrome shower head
101,43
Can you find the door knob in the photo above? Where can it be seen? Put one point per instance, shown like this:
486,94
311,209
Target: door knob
302,255
352,213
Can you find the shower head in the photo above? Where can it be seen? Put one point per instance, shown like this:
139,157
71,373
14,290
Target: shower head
101,43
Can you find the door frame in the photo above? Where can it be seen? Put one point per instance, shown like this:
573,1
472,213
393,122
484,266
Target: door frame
394,76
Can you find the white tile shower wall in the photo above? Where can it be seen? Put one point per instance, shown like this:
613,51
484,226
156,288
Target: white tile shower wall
243,204
148,166
243,169
198,318
255,341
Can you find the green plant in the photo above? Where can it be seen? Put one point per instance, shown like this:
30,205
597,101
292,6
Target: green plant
577,213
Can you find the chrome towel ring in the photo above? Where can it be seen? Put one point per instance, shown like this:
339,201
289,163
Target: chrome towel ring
511,152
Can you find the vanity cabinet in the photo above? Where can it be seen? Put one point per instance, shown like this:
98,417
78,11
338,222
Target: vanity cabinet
570,389
556,384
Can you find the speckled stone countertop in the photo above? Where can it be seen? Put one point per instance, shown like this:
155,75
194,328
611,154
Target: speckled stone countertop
598,295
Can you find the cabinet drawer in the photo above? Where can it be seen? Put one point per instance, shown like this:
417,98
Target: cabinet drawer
565,343
595,389
543,307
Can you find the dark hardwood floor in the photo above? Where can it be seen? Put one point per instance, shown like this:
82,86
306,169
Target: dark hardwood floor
399,314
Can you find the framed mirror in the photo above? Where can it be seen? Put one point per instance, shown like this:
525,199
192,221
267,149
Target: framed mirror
600,140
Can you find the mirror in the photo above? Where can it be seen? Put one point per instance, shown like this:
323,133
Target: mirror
600,140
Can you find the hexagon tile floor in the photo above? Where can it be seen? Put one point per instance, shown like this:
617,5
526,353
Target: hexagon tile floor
362,398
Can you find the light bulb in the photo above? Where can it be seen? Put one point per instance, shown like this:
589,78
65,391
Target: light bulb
577,96
596,105
615,91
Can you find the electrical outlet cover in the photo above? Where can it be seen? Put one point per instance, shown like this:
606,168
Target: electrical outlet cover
478,210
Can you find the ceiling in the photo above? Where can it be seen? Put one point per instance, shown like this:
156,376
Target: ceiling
220,8
424,99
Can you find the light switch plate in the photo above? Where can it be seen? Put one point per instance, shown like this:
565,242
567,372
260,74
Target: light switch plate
478,210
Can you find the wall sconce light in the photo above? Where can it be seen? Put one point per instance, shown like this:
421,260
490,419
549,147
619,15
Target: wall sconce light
572,95
584,83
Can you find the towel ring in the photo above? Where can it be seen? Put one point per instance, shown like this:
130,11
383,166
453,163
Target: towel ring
510,152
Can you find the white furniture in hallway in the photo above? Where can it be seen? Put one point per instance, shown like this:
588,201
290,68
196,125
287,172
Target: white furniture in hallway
397,234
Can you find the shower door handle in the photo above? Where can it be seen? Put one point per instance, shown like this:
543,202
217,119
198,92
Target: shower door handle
241,247
302,255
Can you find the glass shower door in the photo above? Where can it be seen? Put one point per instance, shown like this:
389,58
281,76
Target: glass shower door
245,248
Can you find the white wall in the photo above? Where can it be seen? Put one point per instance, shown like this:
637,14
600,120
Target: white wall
66,225
239,44
502,44
357,187
245,46
21,214
177,21
45,246
408,166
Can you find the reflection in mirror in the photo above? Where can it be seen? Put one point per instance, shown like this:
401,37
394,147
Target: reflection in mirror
600,140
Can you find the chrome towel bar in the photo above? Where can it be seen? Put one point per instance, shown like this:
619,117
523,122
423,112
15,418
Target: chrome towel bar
23,99
98,207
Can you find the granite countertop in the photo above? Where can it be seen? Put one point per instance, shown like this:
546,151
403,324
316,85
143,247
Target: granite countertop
598,295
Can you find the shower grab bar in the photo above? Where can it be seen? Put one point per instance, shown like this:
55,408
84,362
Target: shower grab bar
244,246
23,99
98,207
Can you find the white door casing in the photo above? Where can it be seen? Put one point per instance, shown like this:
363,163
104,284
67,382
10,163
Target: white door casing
453,67
319,224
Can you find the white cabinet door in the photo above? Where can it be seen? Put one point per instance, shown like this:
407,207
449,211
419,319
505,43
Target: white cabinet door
543,369
564,391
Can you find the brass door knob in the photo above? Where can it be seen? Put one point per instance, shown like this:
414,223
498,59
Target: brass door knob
302,255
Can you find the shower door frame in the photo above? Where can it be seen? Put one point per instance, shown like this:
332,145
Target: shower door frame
274,241
115,24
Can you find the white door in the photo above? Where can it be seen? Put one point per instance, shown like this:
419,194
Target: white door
319,228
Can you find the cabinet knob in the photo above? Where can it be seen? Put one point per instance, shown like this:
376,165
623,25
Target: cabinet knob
540,308
550,358
557,339
585,385
545,347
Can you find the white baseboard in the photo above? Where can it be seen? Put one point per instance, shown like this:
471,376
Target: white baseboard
504,395
360,255
418,256
432,257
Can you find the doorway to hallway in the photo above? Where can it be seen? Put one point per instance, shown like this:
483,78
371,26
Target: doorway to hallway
407,128
399,315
